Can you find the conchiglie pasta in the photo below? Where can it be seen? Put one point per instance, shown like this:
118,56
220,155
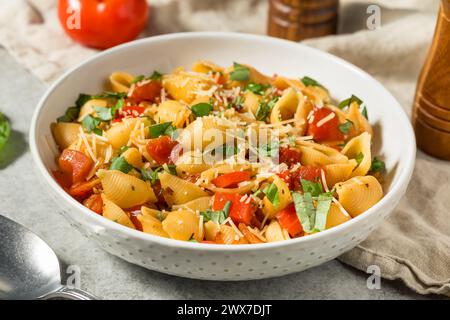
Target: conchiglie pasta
133,157
173,111
301,115
183,86
284,196
360,123
284,83
227,235
89,107
120,81
119,133
179,191
317,94
203,132
336,216
251,102
274,232
339,172
125,190
65,133
285,107
206,67
359,194
211,229
199,204
152,225
182,225
113,212
359,147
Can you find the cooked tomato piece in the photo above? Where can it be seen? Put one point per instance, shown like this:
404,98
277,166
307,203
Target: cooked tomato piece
147,92
230,180
293,178
133,217
131,111
160,149
288,220
82,190
76,164
239,211
289,156
63,179
322,129
95,203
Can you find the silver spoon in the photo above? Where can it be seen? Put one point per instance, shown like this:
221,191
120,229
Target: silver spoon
29,268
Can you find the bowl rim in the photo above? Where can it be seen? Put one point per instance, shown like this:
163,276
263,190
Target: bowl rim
396,188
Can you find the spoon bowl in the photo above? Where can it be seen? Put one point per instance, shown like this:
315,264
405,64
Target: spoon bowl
29,268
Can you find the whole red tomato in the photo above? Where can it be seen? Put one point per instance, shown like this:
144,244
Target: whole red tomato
103,24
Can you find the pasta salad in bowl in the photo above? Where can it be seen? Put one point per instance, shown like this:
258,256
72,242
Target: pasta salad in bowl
224,158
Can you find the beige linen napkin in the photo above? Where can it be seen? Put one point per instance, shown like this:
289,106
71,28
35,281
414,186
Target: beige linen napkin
413,244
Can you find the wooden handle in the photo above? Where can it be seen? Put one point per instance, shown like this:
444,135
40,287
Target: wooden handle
301,19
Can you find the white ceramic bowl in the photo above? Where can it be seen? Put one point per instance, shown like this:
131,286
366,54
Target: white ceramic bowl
394,140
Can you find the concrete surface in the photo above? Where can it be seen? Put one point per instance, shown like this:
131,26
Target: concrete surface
23,200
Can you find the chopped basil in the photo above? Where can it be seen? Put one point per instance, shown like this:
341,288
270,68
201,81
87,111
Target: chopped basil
201,109
378,165
90,123
345,127
103,113
98,131
82,99
307,81
119,105
120,164
109,95
271,192
349,101
70,115
156,76
323,207
270,150
137,79
304,207
161,129
314,188
5,130
151,175
359,157
257,88
364,112
240,73
170,168
123,149
264,109
217,216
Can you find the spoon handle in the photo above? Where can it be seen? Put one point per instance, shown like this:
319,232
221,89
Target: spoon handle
70,294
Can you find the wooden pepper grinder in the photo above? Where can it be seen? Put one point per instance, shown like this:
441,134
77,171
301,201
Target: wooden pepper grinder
301,19
431,114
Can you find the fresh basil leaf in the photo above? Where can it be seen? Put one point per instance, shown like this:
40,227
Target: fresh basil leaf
201,109
119,105
120,164
151,175
378,165
109,95
82,99
314,188
123,149
257,88
217,216
364,112
304,207
161,129
237,103
103,113
359,157
271,192
323,207
90,123
240,73
70,115
349,101
270,150
307,81
156,76
137,79
265,108
98,131
170,168
5,130
346,126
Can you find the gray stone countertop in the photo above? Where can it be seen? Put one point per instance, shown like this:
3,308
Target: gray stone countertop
24,200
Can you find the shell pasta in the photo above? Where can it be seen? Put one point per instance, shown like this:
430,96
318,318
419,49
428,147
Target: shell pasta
219,155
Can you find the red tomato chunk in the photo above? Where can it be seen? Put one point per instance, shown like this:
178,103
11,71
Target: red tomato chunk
239,211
